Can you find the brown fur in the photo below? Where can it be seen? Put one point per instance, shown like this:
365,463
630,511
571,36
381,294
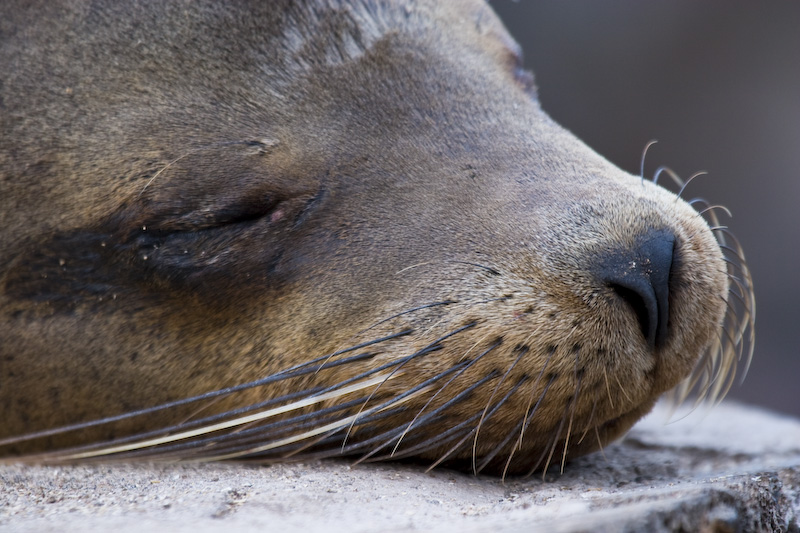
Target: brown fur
197,196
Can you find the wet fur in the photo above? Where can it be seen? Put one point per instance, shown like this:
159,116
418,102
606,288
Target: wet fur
350,219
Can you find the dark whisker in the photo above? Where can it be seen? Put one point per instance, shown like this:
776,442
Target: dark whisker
271,430
185,425
407,312
443,387
491,270
433,346
280,376
556,436
526,421
522,351
309,393
578,382
461,429
501,445
484,417
395,432
394,399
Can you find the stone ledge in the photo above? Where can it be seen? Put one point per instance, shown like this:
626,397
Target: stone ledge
734,469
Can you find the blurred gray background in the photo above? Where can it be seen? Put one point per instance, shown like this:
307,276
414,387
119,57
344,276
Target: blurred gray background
718,84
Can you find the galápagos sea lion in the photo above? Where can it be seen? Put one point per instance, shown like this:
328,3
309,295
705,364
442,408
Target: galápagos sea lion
305,229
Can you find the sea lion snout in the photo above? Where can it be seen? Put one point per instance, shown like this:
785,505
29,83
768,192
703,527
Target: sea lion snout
641,277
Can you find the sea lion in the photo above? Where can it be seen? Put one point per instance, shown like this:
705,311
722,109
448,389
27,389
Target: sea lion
304,229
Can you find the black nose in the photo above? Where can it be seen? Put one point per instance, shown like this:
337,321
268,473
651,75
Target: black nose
640,276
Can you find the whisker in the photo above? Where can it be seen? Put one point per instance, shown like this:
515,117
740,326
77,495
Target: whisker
666,170
622,389
600,446
424,385
525,422
578,381
745,320
728,234
291,372
459,430
712,207
110,450
556,436
737,263
523,350
494,409
608,388
424,420
490,270
589,421
402,270
187,154
526,419
697,201
183,426
443,387
688,181
337,425
644,155
407,312
317,430
235,440
164,168
434,346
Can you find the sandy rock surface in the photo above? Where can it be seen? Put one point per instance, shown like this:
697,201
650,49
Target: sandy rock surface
733,469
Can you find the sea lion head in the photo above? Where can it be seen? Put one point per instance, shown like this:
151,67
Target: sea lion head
351,219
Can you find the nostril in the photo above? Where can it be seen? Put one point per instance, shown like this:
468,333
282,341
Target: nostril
642,306
640,277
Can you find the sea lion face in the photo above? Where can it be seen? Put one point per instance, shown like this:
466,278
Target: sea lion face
363,205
